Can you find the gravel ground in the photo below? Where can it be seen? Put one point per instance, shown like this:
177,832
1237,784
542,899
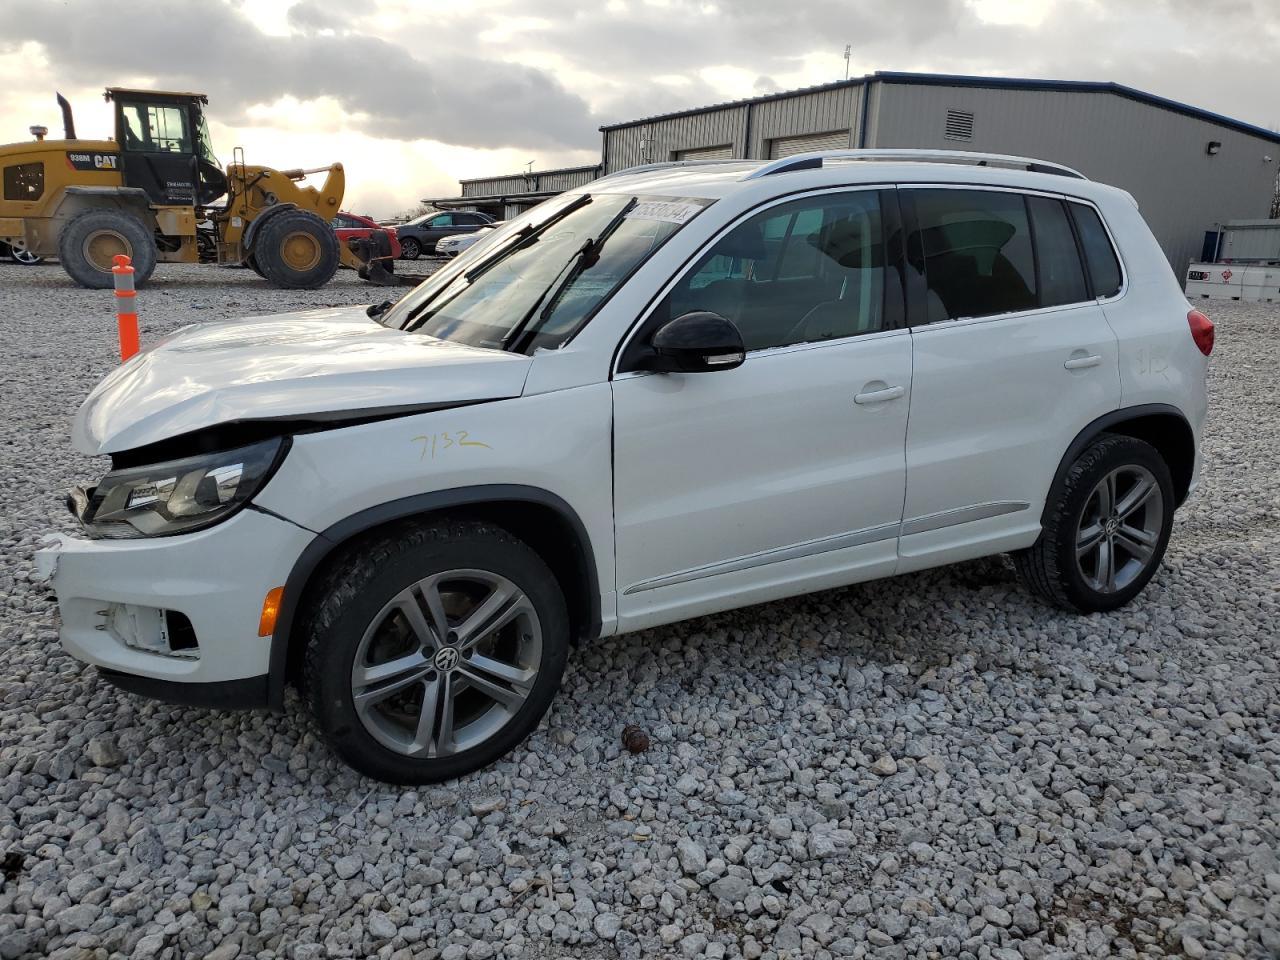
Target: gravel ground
923,767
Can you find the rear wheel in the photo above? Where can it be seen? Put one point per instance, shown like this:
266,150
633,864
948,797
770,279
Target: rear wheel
435,652
1106,527
296,250
410,249
89,243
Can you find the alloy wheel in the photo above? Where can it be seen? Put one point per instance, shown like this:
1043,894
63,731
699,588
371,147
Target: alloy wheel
1119,528
446,663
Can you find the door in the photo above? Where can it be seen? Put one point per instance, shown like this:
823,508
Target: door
790,146
1011,359
785,474
158,153
723,152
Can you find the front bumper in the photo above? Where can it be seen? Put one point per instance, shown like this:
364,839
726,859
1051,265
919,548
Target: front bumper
155,614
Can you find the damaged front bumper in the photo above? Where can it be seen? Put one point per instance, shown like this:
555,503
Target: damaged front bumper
175,618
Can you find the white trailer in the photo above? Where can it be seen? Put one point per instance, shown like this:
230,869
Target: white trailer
1254,283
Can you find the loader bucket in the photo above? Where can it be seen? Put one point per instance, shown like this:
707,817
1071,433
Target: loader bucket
375,260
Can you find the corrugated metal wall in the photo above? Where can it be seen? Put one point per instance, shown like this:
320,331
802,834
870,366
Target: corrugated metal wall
1251,240
625,146
825,111
495,187
1158,155
653,141
566,179
537,182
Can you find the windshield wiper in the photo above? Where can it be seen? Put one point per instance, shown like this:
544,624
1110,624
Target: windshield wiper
586,257
524,234
419,314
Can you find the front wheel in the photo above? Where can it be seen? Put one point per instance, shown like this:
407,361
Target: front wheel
435,652
410,249
296,250
1106,527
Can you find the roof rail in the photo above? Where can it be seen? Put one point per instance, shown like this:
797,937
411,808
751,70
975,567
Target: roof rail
664,164
813,161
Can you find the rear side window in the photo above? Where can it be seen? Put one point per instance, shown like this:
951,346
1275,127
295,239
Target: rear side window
1061,276
974,250
25,181
1099,254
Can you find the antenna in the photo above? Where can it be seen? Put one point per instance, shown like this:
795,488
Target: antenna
848,49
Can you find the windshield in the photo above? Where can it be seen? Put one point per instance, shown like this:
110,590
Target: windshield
204,142
535,281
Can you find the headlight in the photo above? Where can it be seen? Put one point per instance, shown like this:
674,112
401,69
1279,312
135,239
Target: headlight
178,496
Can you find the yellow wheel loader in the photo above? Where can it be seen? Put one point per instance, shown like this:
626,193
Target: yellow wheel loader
153,192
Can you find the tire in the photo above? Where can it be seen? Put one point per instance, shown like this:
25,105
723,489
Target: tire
1096,551
410,248
296,250
88,242
359,623
252,262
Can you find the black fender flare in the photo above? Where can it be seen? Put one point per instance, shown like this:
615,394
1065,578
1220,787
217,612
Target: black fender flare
334,536
252,231
1101,425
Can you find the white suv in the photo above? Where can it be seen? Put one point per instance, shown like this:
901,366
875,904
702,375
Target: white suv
677,390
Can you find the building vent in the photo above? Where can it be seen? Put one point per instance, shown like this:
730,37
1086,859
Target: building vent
959,125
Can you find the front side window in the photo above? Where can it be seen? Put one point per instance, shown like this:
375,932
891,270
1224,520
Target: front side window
545,274
444,220
24,181
974,249
804,271
1099,254
155,128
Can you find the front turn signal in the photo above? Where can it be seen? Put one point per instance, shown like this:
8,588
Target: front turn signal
270,610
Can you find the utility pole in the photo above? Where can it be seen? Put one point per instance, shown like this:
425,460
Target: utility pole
848,49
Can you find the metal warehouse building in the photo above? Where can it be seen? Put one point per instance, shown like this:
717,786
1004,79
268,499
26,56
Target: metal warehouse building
1189,169
505,197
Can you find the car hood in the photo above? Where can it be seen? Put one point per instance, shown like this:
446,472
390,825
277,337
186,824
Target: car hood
314,364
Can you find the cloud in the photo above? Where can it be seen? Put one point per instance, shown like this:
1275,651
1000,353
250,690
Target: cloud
456,98
424,92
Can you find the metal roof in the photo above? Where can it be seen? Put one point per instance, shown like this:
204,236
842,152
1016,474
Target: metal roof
112,92
997,83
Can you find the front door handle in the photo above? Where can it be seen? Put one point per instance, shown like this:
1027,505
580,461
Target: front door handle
1080,363
879,396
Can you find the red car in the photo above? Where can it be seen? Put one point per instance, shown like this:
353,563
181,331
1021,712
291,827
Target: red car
352,226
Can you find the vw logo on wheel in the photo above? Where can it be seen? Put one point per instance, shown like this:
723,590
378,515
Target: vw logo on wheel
447,658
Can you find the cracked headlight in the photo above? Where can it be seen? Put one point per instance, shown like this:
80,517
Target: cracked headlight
177,496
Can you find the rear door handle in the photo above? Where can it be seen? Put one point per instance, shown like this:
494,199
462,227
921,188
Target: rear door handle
879,396
1080,363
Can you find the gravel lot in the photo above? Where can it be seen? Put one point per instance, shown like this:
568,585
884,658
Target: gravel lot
924,767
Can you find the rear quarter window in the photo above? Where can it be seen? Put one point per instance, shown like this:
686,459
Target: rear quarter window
1099,255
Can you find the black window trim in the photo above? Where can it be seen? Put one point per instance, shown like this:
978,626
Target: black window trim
917,292
892,326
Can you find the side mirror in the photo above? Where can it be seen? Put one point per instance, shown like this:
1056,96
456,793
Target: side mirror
696,342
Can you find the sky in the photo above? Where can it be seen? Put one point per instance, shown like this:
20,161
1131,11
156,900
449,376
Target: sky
412,95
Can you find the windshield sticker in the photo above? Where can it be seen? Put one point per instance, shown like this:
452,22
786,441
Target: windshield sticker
668,211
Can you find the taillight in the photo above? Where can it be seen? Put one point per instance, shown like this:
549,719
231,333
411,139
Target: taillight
1201,331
